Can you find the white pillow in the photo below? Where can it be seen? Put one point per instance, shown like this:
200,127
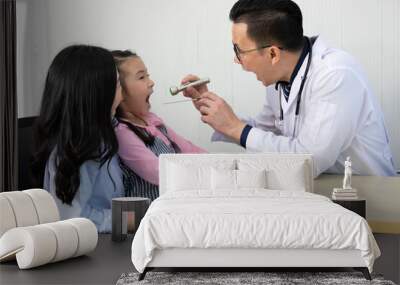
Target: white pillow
281,174
251,178
189,176
237,179
223,179
292,179
182,177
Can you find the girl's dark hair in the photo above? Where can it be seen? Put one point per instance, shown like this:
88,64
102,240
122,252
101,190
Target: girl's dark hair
270,21
75,115
120,56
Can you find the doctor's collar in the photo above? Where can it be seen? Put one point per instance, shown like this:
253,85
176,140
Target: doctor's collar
286,86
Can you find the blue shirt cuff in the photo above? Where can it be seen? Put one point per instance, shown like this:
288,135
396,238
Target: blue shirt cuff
244,135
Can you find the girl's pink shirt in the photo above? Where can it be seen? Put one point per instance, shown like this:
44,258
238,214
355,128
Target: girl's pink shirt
141,159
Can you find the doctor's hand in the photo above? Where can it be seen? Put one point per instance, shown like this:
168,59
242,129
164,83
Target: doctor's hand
193,92
220,116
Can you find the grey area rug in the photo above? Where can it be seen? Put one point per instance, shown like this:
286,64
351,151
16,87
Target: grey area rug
232,278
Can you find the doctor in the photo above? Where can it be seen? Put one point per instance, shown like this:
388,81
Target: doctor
318,99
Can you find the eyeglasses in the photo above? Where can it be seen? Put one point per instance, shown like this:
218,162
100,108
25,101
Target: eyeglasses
239,52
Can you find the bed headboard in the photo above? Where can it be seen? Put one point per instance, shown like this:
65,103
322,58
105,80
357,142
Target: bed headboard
284,165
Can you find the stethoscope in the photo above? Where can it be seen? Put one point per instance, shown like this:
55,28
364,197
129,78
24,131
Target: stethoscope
303,81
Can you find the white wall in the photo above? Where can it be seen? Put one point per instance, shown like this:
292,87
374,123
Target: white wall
177,37
33,57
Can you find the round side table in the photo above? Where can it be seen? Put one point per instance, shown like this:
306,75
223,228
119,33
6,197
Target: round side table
121,208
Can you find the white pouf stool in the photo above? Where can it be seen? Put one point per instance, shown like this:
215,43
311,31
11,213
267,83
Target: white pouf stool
31,233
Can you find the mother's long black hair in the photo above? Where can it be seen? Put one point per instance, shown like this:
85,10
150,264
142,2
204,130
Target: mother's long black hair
75,115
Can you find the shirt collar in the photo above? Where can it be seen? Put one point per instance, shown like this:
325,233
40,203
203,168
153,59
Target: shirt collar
303,56
286,86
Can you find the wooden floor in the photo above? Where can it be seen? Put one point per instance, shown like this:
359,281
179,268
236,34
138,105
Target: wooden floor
102,266
110,259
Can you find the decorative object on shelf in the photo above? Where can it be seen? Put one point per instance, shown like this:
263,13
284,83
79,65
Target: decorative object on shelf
127,212
347,192
347,174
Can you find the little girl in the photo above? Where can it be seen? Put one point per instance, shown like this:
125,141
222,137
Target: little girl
142,135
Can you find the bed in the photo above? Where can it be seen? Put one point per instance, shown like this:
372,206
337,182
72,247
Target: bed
247,211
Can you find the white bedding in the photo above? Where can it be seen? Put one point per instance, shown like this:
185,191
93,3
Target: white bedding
251,218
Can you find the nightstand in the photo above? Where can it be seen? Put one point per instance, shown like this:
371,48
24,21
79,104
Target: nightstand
358,206
121,208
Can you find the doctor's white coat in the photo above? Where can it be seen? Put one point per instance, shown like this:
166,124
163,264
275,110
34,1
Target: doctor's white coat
339,117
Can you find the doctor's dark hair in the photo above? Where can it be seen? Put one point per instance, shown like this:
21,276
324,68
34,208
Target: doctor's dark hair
75,116
120,56
277,22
